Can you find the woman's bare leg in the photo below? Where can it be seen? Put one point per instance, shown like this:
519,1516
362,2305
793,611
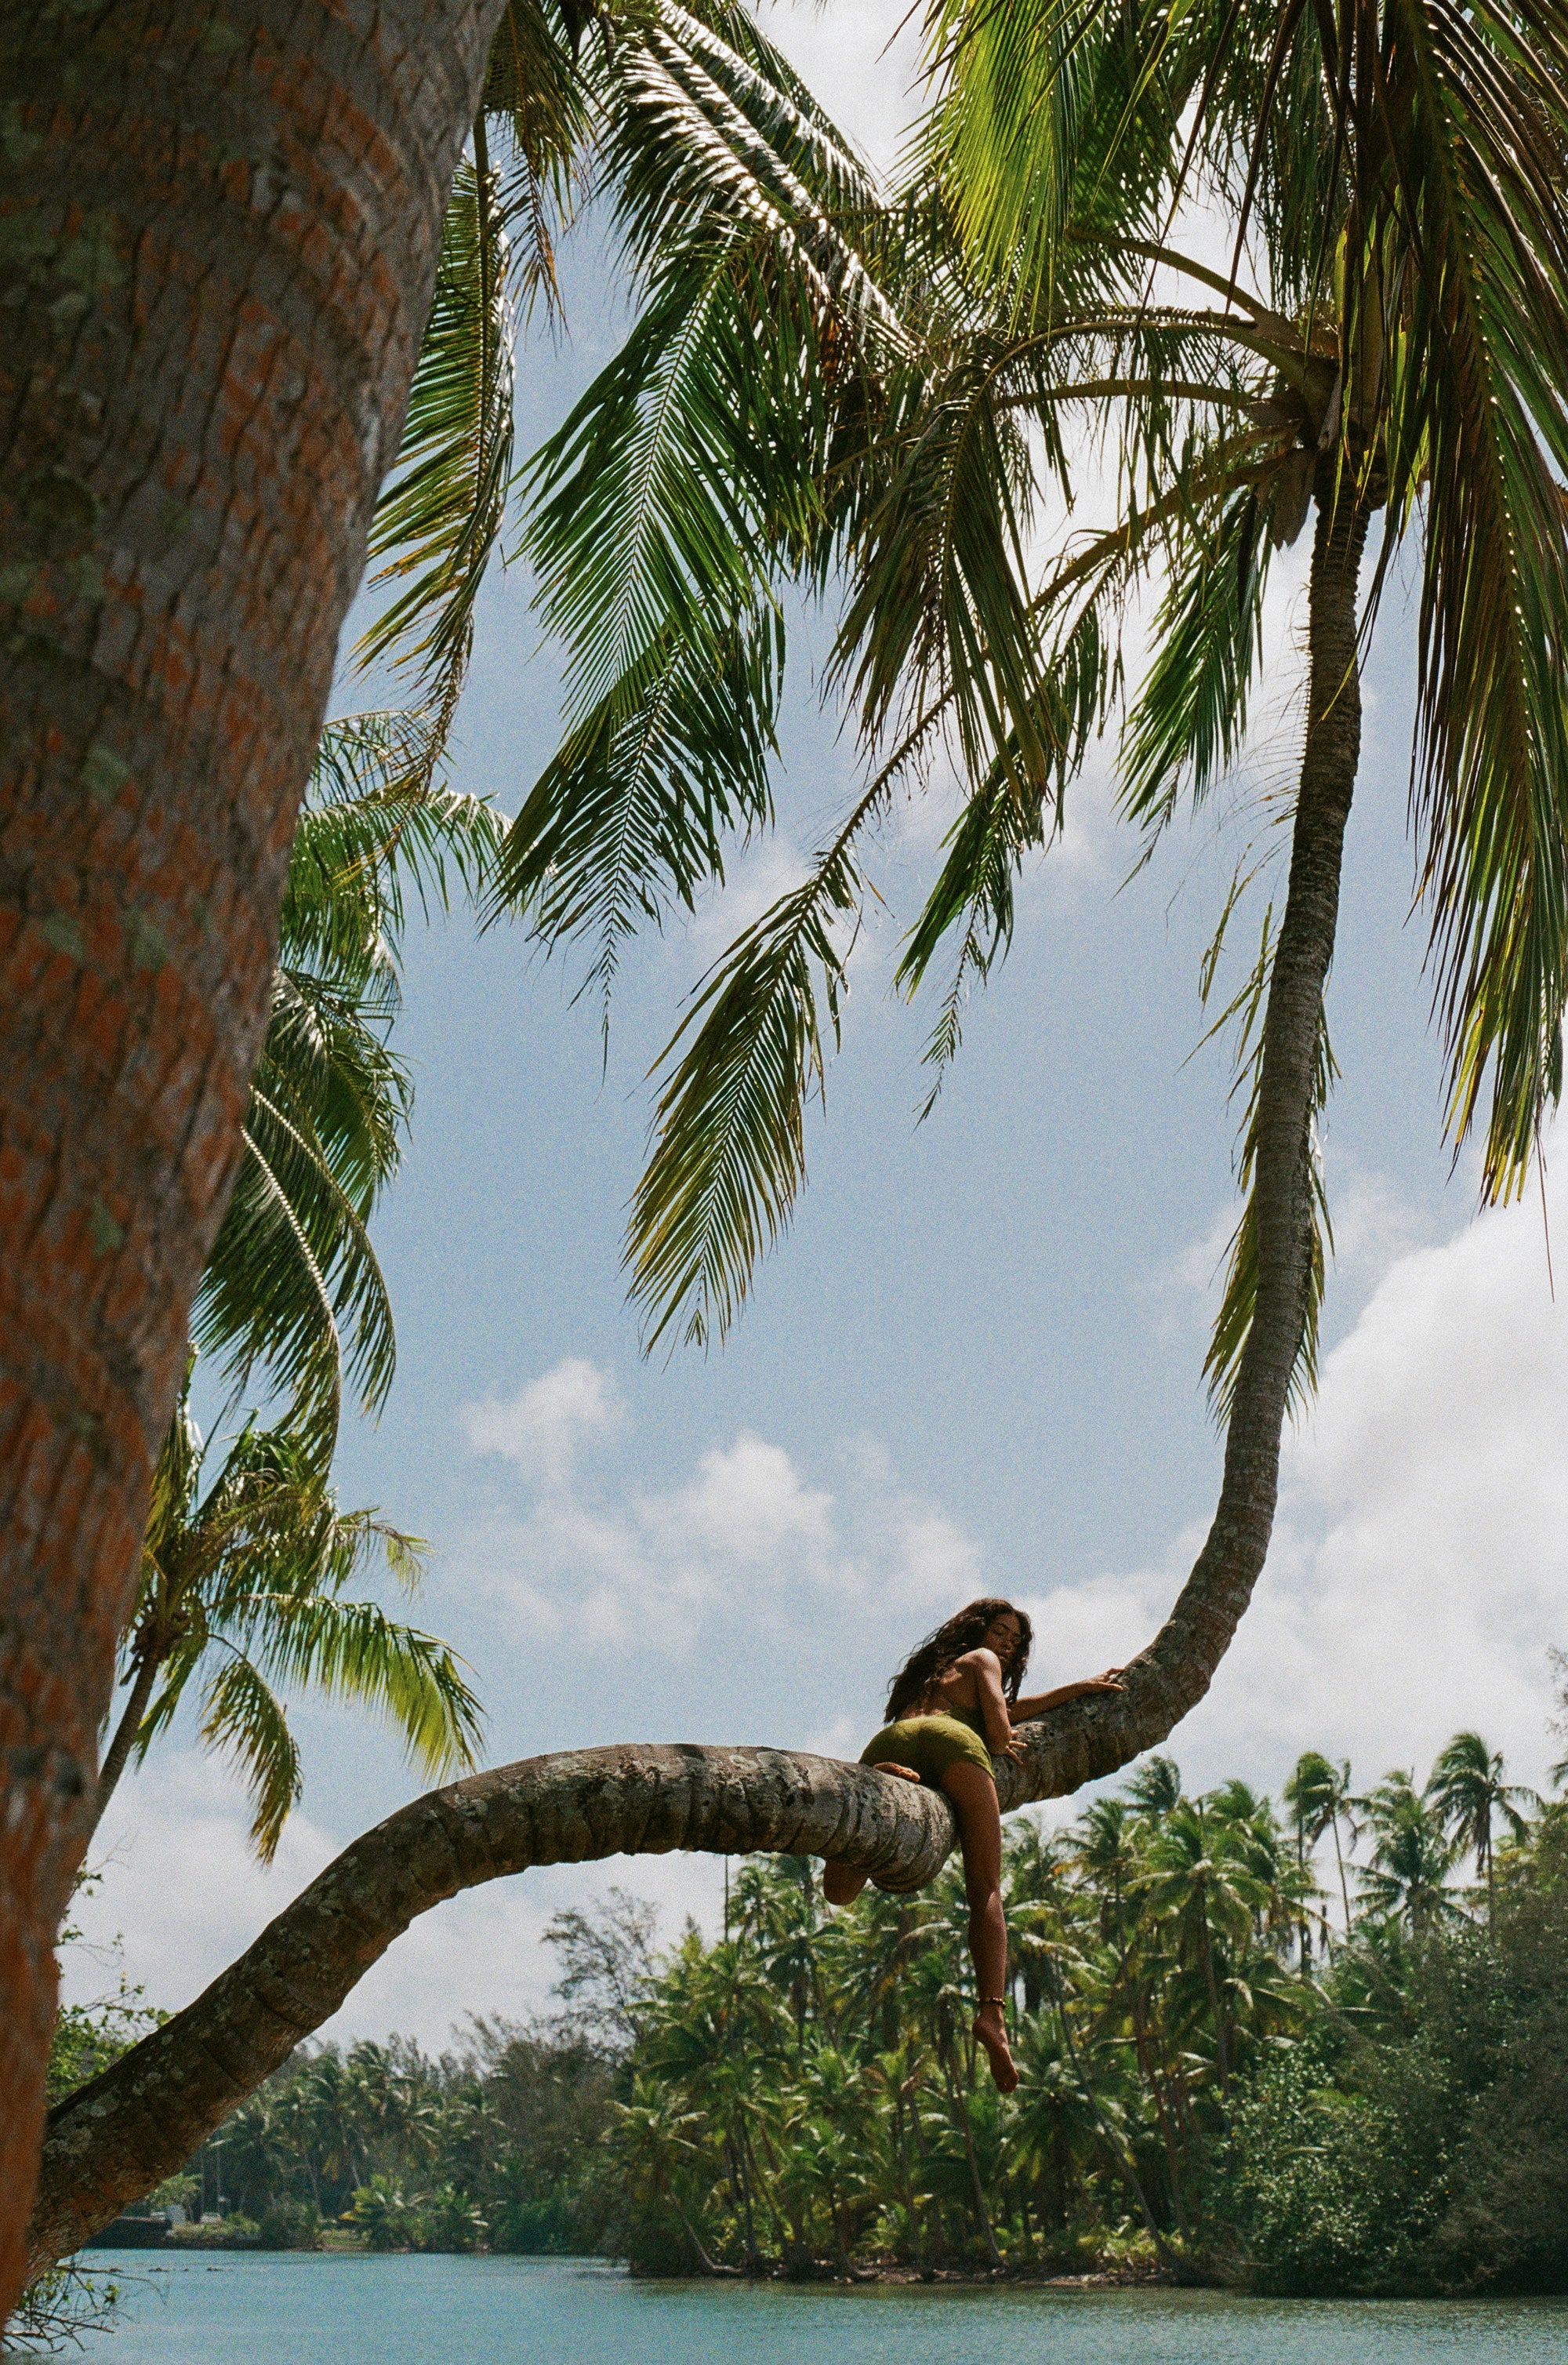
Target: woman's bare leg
979,1831
840,1886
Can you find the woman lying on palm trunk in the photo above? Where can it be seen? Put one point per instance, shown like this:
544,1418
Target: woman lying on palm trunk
952,1709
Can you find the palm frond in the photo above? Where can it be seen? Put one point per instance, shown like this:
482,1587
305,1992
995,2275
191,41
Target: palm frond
293,1281
729,1156
375,828
997,828
536,87
1479,441
665,508
351,1651
1190,717
243,1718
439,521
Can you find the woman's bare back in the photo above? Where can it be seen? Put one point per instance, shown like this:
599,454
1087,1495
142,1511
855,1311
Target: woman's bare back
958,1686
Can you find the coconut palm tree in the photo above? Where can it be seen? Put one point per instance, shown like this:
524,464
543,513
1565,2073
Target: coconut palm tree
1388,343
241,1587
1411,1859
1467,1790
1318,1793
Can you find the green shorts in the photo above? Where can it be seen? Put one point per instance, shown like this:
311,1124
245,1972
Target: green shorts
929,1743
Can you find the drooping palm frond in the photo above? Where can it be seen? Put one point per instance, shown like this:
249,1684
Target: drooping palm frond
1189,718
537,92
243,1718
1478,454
999,825
293,1283
730,1151
667,506
439,521
351,1650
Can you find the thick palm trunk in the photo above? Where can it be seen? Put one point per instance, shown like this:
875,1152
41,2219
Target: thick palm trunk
218,234
121,2135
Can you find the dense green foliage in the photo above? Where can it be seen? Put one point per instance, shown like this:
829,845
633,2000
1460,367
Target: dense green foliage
1218,2080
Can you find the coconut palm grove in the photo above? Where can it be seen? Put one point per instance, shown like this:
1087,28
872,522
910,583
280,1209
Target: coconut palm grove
1005,442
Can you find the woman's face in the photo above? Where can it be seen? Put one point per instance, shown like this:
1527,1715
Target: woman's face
1002,1635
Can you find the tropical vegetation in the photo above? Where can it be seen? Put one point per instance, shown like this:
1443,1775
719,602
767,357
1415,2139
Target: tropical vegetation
829,390
1222,2079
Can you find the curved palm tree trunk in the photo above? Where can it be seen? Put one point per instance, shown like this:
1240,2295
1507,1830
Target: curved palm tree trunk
117,1754
1092,1739
219,235
125,2131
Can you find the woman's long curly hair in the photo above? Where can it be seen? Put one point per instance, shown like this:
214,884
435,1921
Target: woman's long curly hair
959,1633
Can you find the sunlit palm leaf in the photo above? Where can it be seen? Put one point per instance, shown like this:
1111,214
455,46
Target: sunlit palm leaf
351,1651
243,1717
438,522
730,1154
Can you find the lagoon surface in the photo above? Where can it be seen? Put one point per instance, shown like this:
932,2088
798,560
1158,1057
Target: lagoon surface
230,2308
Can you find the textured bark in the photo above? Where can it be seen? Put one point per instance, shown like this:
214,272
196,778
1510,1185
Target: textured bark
116,2137
220,223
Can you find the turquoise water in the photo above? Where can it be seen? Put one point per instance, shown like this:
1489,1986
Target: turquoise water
305,2310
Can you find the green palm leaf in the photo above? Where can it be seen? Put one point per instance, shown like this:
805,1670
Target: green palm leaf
1479,439
243,1718
667,505
438,522
293,1282
351,1651
375,828
730,1153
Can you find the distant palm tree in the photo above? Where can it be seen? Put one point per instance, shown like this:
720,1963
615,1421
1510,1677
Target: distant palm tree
1412,1856
242,1586
1467,1790
1318,1793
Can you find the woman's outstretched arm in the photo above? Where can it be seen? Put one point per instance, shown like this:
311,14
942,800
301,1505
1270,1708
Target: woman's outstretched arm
1035,1704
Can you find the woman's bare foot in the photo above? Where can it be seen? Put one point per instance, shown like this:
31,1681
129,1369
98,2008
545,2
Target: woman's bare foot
992,2030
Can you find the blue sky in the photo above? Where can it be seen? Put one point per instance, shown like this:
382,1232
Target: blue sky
973,1363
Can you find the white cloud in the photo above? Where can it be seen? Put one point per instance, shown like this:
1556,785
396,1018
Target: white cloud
1419,1564
745,1536
542,1427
